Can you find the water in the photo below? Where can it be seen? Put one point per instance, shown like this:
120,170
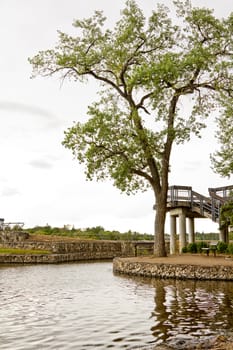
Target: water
85,306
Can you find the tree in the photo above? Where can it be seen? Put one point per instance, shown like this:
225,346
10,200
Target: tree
226,217
226,214
147,70
222,159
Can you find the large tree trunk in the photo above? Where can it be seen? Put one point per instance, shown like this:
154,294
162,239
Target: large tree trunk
160,216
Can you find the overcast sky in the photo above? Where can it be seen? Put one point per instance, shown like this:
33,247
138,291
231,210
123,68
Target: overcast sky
40,183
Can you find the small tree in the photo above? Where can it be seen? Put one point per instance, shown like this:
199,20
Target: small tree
147,69
222,159
226,214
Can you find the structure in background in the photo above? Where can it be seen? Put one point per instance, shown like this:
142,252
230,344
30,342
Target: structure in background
12,232
10,225
184,203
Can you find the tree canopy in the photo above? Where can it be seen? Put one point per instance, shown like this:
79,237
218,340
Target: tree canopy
222,159
226,214
148,69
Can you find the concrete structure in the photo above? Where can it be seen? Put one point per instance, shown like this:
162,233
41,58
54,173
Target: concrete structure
185,205
185,217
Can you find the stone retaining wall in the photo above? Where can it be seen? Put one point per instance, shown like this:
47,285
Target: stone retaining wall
68,249
159,270
114,248
85,247
45,258
64,251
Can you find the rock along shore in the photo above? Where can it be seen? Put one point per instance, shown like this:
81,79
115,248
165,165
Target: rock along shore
196,267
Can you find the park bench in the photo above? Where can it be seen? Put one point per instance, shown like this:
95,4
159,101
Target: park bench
211,247
143,248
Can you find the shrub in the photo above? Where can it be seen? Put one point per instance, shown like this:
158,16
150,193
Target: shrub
222,247
192,248
184,250
230,248
201,245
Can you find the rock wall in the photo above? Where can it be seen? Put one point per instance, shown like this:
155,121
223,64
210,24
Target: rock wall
145,269
68,250
64,251
45,258
117,248
95,248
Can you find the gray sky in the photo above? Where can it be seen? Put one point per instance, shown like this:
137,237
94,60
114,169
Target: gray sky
40,183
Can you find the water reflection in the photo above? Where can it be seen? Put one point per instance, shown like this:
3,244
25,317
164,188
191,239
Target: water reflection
190,309
85,306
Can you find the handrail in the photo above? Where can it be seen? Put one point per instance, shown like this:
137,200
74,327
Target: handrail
226,190
210,205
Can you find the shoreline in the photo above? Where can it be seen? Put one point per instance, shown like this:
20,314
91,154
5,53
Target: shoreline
196,267
220,342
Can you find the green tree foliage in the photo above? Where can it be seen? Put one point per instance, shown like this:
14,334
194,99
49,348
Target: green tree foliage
226,214
97,232
230,248
212,236
148,68
222,159
222,247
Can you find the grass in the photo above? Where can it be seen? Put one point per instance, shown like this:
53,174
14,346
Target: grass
16,251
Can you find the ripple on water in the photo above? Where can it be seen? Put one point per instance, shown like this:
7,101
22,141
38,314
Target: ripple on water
84,306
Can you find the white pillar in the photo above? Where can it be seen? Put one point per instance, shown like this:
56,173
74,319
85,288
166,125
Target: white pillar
182,231
172,234
191,230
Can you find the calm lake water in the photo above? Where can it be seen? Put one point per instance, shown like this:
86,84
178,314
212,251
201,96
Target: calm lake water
85,306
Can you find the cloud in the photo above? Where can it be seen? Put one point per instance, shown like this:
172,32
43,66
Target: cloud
41,164
10,191
44,161
30,109
16,106
191,165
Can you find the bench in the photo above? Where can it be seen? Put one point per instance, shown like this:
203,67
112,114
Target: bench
212,247
145,248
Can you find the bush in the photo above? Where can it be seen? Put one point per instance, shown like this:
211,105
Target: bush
201,245
230,248
184,250
197,247
222,247
192,248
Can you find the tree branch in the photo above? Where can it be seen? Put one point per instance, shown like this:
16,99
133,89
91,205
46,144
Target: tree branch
143,99
107,81
143,174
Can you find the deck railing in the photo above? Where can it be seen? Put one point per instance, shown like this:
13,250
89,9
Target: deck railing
206,206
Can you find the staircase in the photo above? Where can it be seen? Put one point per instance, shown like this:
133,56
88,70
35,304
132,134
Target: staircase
206,207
